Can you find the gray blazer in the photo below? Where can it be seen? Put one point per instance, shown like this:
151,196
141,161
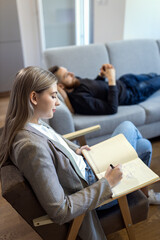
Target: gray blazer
57,182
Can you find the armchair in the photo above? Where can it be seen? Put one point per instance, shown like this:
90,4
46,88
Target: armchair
17,191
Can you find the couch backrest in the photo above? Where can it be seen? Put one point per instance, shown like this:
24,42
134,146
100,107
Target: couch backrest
134,56
128,56
84,61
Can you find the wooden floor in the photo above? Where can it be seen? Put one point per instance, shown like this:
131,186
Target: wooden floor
13,227
3,110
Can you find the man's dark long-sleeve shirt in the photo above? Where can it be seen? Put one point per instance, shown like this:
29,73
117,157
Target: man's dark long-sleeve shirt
95,97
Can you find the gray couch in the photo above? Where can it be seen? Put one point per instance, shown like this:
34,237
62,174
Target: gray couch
129,56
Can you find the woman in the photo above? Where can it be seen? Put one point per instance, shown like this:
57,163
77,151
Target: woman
53,165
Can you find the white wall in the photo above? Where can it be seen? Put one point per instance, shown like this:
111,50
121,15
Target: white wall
30,33
126,19
142,19
11,59
108,20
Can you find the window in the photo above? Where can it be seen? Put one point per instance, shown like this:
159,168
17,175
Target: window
64,23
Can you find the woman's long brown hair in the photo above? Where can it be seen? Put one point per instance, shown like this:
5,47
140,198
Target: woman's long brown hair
20,109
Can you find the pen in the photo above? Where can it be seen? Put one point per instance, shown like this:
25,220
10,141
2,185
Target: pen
111,166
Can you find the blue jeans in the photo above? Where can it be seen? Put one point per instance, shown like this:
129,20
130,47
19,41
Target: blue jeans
139,87
142,146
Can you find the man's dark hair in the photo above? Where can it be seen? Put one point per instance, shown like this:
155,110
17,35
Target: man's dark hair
53,69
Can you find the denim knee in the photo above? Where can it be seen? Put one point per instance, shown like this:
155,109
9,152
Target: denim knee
128,129
144,150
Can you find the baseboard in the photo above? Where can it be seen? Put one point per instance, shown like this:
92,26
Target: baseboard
4,94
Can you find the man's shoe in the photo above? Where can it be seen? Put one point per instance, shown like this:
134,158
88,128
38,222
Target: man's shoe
154,197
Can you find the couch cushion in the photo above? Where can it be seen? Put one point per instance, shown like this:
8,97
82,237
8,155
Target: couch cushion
84,61
134,56
108,123
150,130
152,107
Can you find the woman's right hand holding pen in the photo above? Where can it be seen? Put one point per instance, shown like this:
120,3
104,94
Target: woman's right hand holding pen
114,175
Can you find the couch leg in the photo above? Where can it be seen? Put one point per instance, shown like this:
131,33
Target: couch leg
82,140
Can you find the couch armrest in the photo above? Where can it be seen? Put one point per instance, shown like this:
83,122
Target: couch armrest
62,122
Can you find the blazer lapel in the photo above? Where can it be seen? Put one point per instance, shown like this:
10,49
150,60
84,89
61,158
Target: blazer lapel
68,155
58,146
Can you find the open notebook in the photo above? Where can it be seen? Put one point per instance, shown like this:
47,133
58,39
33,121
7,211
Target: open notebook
117,150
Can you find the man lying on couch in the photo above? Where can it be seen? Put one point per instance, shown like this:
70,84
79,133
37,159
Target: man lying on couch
104,94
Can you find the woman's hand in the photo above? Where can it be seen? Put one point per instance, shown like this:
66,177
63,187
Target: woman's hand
114,175
79,150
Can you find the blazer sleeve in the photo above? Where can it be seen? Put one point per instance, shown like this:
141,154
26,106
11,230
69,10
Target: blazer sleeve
37,165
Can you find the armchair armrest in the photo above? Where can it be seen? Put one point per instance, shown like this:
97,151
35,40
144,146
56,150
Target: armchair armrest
79,135
44,220
74,227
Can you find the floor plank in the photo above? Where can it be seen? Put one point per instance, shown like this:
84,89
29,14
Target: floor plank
3,109
12,226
